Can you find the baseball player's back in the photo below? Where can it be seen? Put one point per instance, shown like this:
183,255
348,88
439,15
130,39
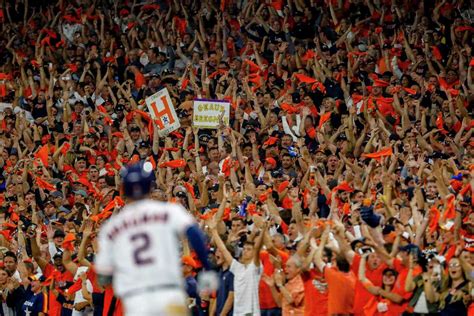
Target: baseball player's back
140,248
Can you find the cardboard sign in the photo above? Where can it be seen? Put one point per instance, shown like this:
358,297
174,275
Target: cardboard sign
162,112
207,113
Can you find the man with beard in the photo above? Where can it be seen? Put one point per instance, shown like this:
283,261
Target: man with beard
10,261
287,165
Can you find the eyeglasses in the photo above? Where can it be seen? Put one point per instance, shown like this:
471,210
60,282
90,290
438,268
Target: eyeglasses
454,265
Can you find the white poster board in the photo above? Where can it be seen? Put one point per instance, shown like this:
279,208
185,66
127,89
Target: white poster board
207,113
162,112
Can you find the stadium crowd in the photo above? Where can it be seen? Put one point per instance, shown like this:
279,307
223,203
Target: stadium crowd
341,185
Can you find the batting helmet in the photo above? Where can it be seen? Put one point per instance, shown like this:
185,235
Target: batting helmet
137,179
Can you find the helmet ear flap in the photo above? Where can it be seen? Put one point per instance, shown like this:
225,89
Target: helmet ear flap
137,191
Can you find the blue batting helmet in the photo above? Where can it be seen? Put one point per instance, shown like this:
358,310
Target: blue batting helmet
137,179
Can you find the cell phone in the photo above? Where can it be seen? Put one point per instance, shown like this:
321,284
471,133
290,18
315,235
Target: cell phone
364,250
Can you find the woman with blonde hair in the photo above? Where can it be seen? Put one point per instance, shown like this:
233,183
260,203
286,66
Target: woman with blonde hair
454,294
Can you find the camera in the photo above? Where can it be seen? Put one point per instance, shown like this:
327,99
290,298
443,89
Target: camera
364,250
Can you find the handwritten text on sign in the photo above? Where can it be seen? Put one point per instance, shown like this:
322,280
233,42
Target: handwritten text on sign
162,112
207,113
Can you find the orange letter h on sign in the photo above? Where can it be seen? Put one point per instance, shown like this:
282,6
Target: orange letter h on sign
159,115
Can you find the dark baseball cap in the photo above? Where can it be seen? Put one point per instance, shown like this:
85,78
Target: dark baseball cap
58,254
48,202
59,233
143,144
57,194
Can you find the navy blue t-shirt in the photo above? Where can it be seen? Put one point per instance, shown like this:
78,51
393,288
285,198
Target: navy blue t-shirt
226,285
34,303
192,292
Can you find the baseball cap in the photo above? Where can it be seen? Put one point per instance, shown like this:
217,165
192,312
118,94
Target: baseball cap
58,254
59,233
143,144
214,188
271,161
357,241
181,194
48,202
57,194
63,209
34,277
134,129
204,138
182,113
362,47
80,192
189,261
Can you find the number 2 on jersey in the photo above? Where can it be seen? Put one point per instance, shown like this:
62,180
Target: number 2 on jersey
142,243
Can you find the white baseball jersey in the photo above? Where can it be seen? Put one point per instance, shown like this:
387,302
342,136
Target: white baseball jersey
140,246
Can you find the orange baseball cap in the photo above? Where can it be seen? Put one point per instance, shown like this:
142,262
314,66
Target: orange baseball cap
188,260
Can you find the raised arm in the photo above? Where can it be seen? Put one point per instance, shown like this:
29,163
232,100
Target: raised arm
258,245
219,243
318,256
31,235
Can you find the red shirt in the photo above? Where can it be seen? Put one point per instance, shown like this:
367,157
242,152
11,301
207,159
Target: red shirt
361,295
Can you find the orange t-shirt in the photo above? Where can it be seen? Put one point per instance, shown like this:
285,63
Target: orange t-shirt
265,294
60,280
315,293
341,287
361,295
